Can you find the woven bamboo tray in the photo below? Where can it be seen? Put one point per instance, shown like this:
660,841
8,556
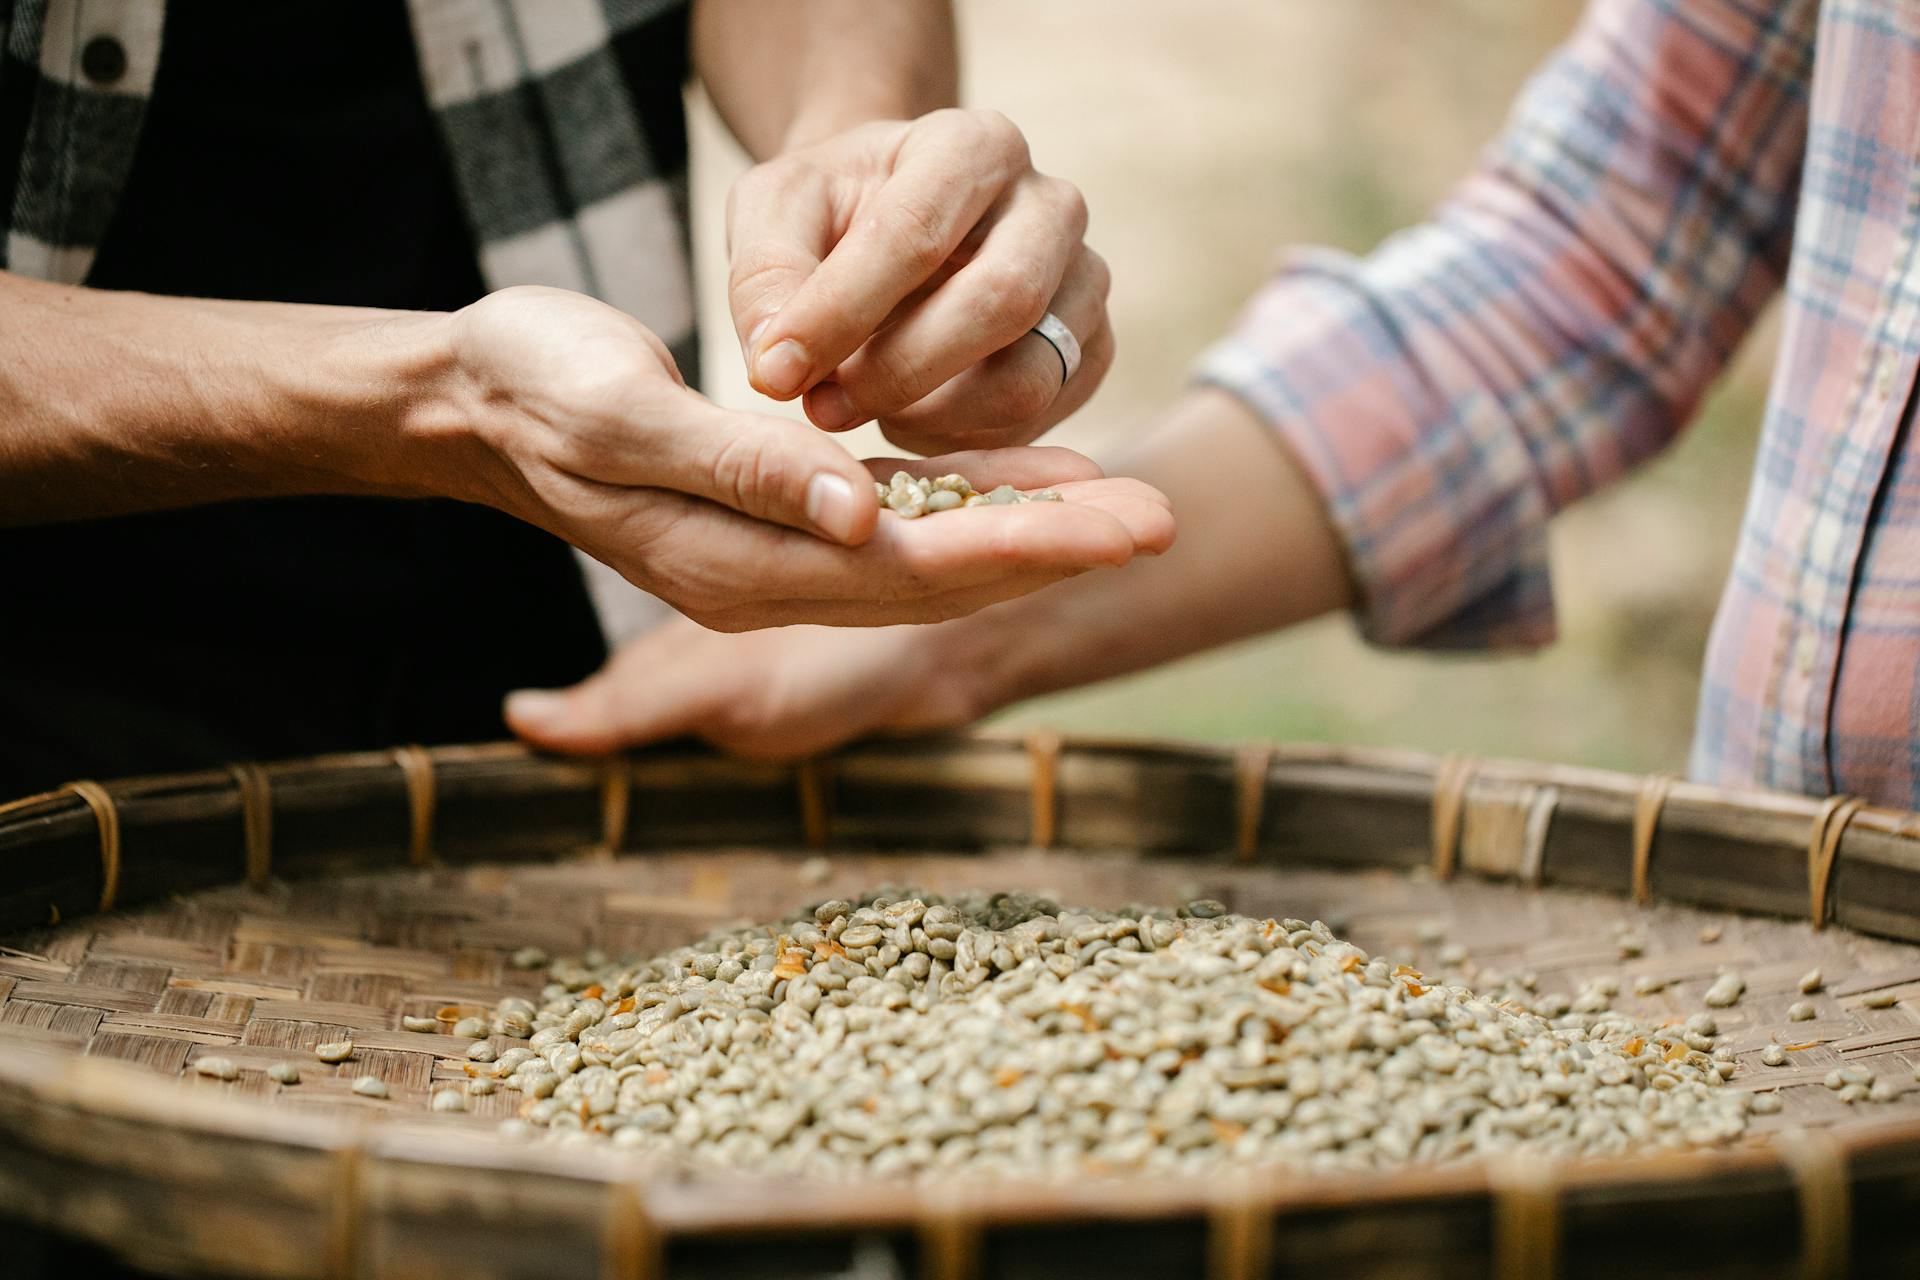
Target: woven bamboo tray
256,911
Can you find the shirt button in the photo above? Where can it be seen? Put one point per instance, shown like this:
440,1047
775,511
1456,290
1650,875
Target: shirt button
1805,650
104,60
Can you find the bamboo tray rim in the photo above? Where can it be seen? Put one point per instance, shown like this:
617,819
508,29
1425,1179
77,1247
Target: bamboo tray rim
36,1076
701,1204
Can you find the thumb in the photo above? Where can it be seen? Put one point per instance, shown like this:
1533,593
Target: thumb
771,469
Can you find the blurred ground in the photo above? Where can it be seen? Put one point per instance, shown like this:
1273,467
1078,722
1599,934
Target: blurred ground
1208,134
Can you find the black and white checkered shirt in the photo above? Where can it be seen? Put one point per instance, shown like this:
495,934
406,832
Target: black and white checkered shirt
562,119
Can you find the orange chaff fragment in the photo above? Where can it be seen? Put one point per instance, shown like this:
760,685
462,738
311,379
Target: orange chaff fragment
1675,1052
1227,1130
1349,963
657,1075
1083,1013
1007,1077
1633,1047
625,1006
1278,986
593,992
1795,1048
870,1105
792,964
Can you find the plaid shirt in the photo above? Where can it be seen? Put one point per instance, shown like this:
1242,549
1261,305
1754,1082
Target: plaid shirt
1563,313
562,121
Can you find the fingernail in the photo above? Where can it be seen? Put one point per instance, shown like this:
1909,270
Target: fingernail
535,706
830,505
783,369
828,406
753,340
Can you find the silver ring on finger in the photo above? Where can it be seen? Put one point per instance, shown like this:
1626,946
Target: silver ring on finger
1064,344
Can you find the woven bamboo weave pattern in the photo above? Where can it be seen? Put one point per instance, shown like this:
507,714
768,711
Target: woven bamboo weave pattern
260,977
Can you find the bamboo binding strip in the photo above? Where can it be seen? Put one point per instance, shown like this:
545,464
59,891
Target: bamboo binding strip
616,801
1250,765
810,779
1823,848
416,768
1526,1218
1450,782
950,1241
346,1233
256,821
1646,822
1819,1169
634,1249
1240,1234
1043,749
1533,851
108,819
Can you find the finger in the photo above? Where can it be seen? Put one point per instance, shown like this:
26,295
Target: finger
616,707
710,562
1017,392
948,173
1033,237
779,227
1034,467
947,546
1096,358
1099,523
1144,510
1146,513
769,468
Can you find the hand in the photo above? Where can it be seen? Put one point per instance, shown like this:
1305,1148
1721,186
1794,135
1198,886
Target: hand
778,694
894,271
574,418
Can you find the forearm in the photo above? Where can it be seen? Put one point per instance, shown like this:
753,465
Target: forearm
1255,553
117,402
783,73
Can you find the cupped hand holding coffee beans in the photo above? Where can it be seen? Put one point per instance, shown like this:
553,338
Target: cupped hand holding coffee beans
572,416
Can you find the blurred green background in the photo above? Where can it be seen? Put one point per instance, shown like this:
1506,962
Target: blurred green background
1207,135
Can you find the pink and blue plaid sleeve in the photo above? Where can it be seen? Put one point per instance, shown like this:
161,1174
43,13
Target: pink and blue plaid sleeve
1555,322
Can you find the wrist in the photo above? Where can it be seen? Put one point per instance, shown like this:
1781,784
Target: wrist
975,666
378,406
816,123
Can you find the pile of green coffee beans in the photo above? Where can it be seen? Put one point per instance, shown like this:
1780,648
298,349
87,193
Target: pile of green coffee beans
907,1035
